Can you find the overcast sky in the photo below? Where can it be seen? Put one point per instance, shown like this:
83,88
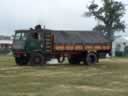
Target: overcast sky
55,14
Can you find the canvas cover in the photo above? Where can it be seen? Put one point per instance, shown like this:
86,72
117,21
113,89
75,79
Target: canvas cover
79,37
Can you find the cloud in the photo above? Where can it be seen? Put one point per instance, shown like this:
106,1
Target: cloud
55,14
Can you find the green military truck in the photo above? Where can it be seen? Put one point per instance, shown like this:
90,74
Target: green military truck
37,46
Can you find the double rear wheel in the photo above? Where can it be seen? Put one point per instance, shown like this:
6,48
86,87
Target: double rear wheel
88,59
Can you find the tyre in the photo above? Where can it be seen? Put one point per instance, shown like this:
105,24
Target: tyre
90,59
21,61
37,59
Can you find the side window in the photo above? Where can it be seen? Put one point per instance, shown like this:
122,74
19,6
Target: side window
20,36
17,36
39,36
23,36
35,35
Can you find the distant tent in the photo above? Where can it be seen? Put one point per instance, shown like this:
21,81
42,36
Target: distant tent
119,45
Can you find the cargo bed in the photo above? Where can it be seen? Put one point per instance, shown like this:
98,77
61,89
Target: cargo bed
80,41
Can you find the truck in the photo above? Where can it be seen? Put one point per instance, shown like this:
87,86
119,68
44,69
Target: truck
36,46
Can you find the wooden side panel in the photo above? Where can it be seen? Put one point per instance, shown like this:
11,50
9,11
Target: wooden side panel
69,47
97,47
59,47
88,47
81,47
107,47
78,47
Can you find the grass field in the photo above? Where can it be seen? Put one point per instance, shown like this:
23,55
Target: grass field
108,78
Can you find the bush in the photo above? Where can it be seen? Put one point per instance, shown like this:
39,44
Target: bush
126,51
119,53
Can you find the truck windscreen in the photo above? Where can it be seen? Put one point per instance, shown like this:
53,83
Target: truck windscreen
20,36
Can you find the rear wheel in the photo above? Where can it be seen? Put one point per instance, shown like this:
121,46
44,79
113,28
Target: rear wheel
90,59
37,59
21,61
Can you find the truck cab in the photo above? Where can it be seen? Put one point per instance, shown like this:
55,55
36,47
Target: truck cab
24,44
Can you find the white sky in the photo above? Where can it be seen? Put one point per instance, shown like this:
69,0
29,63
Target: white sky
55,14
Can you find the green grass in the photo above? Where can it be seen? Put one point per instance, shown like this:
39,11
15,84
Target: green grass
108,78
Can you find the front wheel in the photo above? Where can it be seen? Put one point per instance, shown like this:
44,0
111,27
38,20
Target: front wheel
21,61
37,59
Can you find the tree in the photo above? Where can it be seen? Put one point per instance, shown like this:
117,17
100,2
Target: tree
109,16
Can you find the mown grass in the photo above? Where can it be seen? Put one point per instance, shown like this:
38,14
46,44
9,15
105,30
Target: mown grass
108,78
